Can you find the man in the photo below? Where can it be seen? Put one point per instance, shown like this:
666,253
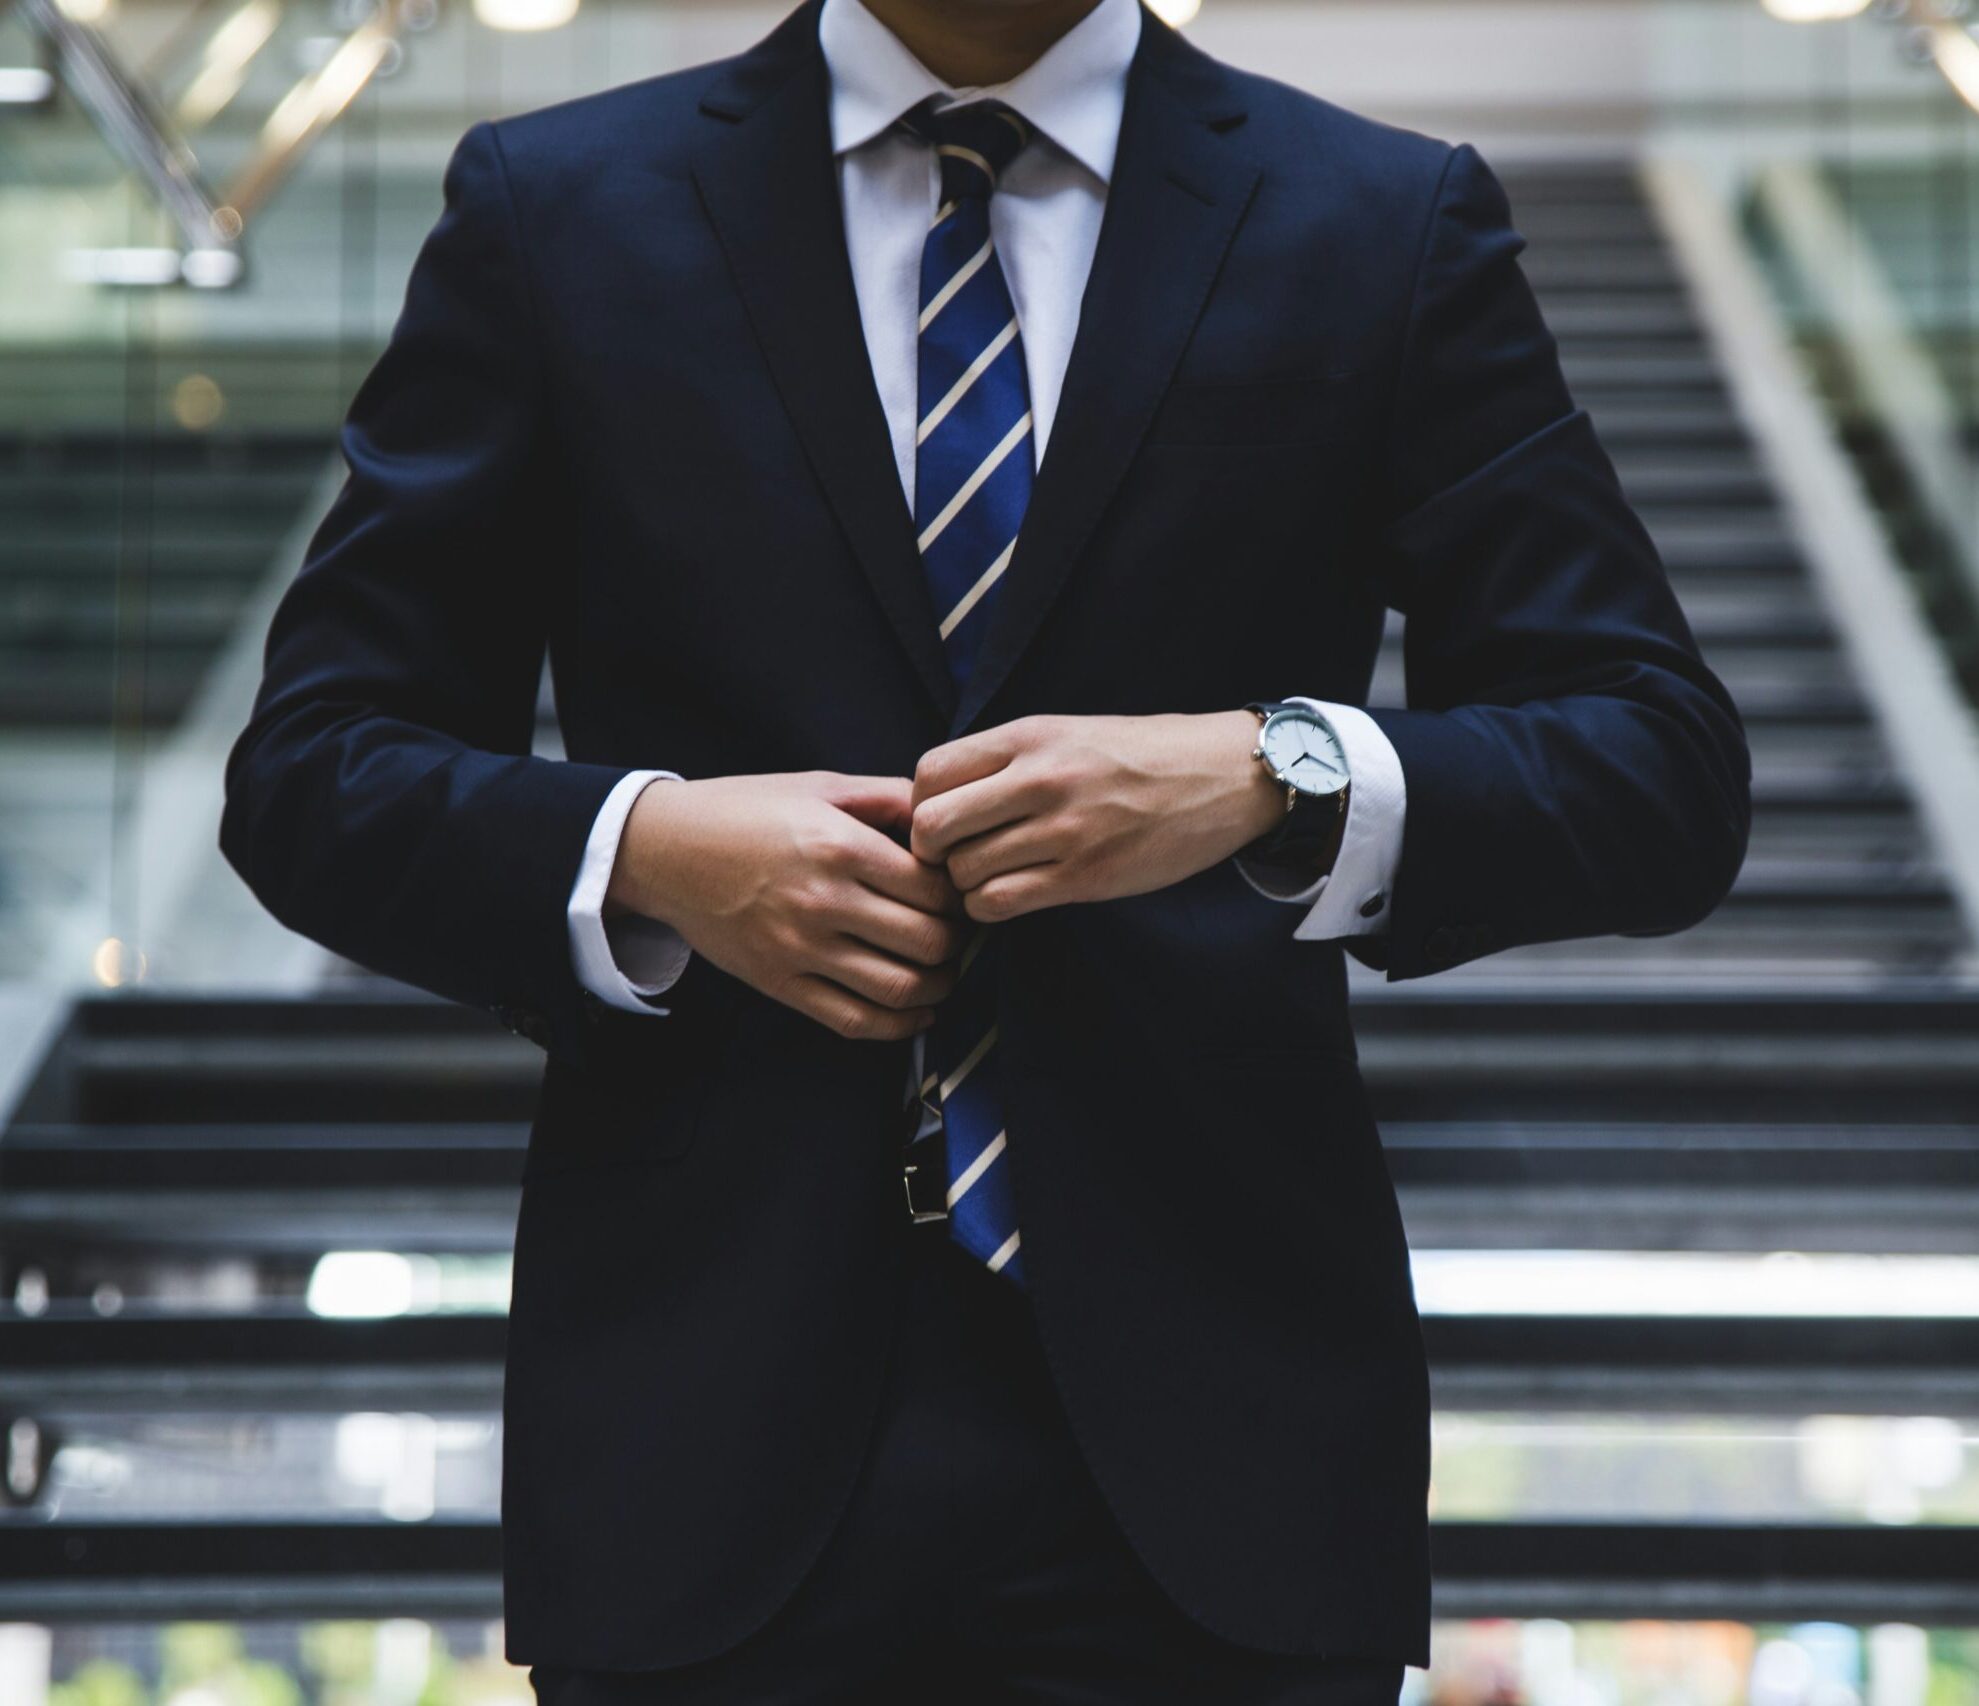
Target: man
999,853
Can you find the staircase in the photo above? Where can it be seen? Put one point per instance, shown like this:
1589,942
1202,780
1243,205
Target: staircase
1799,1073
133,540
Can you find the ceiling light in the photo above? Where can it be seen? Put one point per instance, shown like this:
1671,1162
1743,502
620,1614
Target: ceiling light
1815,11
1957,55
525,14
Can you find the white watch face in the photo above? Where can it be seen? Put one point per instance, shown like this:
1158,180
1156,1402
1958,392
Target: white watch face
1304,753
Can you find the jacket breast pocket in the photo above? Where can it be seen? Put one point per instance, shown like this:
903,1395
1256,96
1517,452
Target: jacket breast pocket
1318,409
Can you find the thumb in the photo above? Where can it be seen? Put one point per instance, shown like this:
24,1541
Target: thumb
884,802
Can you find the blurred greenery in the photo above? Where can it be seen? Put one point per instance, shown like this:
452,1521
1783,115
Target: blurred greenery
1489,1662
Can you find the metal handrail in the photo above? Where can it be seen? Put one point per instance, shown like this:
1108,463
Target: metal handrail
123,111
310,108
209,225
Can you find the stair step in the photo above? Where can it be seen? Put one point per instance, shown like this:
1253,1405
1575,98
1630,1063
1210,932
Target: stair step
1770,613
90,496
1544,223
87,568
1632,269
1572,187
1677,422
1599,378
1690,485
91,692
1704,543
1836,883
97,625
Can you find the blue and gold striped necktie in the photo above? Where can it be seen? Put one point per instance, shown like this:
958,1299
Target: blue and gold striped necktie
973,467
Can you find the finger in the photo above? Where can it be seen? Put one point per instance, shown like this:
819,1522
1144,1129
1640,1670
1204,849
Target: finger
1035,841
969,759
887,868
883,980
1017,892
906,932
975,808
884,802
840,1010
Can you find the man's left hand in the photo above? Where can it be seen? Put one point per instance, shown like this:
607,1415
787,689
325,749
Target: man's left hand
1047,810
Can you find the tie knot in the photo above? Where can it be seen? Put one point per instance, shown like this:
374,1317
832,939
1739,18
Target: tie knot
974,142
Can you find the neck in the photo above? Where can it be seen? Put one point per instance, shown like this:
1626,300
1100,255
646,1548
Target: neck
970,42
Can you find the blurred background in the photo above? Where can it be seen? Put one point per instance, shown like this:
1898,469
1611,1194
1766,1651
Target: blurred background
1695,1218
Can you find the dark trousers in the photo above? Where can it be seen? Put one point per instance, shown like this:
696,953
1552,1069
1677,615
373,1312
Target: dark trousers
976,1562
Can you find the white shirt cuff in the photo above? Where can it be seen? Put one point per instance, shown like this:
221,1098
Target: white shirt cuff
1354,898
631,958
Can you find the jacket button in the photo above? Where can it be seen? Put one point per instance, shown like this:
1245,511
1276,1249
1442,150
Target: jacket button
1371,907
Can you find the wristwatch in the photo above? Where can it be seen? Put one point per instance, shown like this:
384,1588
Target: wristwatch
1300,750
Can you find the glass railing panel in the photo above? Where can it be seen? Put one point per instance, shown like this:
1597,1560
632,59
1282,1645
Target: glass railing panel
166,446
120,1662
1622,1468
1919,219
1655,1663
1846,136
189,1465
176,1457
1544,1661
163,449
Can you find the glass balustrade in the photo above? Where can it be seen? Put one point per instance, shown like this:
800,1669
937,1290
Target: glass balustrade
1846,136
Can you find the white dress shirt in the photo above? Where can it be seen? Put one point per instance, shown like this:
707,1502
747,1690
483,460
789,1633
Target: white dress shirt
1045,221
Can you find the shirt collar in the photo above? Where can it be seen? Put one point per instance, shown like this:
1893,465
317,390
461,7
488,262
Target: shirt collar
1074,91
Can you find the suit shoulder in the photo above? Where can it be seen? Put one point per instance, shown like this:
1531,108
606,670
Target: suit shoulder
1294,124
652,119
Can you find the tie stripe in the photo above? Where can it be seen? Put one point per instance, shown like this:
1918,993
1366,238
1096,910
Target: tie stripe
977,593
973,470
970,374
974,1058
966,271
955,151
974,483
976,1168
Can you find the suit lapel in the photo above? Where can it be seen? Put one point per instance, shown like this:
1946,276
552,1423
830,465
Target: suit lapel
767,177
1179,189
1180,186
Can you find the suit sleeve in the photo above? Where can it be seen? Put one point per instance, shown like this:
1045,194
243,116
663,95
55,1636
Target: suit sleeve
382,799
1573,768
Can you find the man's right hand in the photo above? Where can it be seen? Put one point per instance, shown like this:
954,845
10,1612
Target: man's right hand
794,884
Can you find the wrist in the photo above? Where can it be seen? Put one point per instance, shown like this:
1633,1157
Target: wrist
638,882
1257,803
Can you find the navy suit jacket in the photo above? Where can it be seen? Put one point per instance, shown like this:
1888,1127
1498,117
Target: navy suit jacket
627,415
